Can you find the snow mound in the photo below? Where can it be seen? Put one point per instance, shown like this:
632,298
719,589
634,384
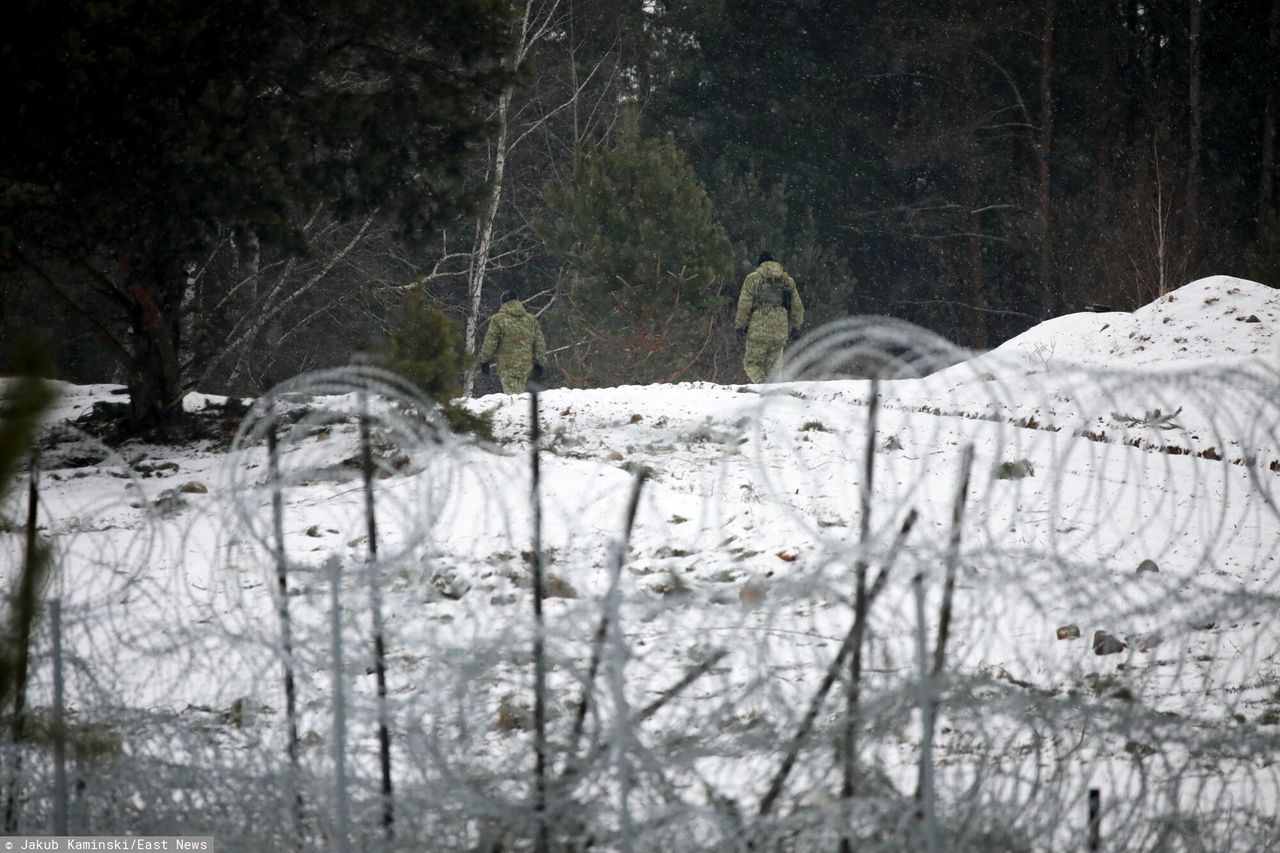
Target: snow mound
1220,320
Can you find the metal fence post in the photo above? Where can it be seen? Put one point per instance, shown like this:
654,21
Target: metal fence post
1095,819
59,724
341,831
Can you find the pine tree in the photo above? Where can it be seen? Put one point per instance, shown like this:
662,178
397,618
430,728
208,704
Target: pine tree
424,347
645,261
139,128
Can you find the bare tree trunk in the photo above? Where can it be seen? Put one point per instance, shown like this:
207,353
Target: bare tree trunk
1043,161
1191,210
251,258
1271,78
978,335
1105,108
155,378
484,240
1154,276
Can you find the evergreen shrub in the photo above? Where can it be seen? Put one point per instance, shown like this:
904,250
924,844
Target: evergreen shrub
424,347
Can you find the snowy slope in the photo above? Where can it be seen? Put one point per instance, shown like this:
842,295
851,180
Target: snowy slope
1099,441
1216,320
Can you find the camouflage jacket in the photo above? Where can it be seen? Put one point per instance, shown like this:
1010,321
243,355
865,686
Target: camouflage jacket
768,290
515,337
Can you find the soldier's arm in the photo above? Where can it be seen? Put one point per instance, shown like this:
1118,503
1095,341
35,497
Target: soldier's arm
539,344
746,303
797,305
492,337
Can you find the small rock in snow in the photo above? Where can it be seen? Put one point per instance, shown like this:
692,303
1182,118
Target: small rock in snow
169,501
1069,632
449,585
1107,644
1147,566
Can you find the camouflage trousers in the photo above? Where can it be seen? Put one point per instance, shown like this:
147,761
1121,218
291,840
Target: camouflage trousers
513,381
763,355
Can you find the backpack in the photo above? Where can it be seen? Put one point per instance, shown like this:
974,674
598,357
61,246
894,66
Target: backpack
782,289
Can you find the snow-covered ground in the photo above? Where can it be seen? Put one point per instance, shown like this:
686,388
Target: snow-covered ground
1123,480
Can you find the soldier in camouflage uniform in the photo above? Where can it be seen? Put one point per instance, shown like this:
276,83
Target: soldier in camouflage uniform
769,312
515,337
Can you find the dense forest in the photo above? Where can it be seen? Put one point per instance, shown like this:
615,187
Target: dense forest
223,197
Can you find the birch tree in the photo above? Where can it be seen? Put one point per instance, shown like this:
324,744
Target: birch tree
536,22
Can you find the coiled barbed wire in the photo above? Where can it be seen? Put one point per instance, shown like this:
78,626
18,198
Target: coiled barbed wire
699,672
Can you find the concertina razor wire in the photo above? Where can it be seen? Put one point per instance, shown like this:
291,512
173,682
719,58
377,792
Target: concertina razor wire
746,669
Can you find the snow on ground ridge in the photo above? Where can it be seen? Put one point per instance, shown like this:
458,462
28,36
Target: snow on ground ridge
1218,319
743,543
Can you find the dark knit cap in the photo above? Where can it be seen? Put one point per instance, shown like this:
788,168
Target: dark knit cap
766,255
508,295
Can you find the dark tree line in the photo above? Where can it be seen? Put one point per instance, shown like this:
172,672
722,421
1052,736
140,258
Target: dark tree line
984,164
144,137
227,196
